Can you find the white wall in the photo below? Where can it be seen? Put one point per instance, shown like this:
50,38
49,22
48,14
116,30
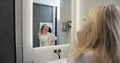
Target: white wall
85,8
74,20
116,2
80,9
91,4
65,15
27,30
18,29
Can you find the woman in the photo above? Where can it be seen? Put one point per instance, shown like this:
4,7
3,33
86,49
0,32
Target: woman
99,40
45,37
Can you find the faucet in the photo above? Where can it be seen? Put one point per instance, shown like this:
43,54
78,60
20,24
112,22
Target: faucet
58,52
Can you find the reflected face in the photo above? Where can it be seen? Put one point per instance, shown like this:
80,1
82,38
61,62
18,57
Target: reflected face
45,28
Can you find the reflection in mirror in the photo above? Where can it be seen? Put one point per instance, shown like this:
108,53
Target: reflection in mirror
51,22
46,38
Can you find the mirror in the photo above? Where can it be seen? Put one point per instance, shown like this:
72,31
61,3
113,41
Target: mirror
51,22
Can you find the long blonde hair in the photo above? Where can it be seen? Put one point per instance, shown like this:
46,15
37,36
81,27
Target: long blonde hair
100,34
40,32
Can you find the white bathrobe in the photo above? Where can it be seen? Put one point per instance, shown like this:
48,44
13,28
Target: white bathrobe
45,40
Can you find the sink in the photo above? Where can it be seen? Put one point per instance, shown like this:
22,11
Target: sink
64,60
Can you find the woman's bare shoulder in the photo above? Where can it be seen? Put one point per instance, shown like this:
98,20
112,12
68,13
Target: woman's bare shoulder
88,53
87,57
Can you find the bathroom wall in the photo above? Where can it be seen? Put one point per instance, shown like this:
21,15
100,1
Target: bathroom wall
74,19
116,2
80,9
18,29
65,15
91,4
85,8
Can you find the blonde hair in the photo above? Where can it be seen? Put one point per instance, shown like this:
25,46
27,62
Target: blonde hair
40,32
99,34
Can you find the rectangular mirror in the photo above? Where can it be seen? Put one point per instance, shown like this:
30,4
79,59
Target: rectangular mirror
51,22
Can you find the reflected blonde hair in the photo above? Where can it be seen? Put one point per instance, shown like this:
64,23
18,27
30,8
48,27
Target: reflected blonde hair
40,32
99,35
